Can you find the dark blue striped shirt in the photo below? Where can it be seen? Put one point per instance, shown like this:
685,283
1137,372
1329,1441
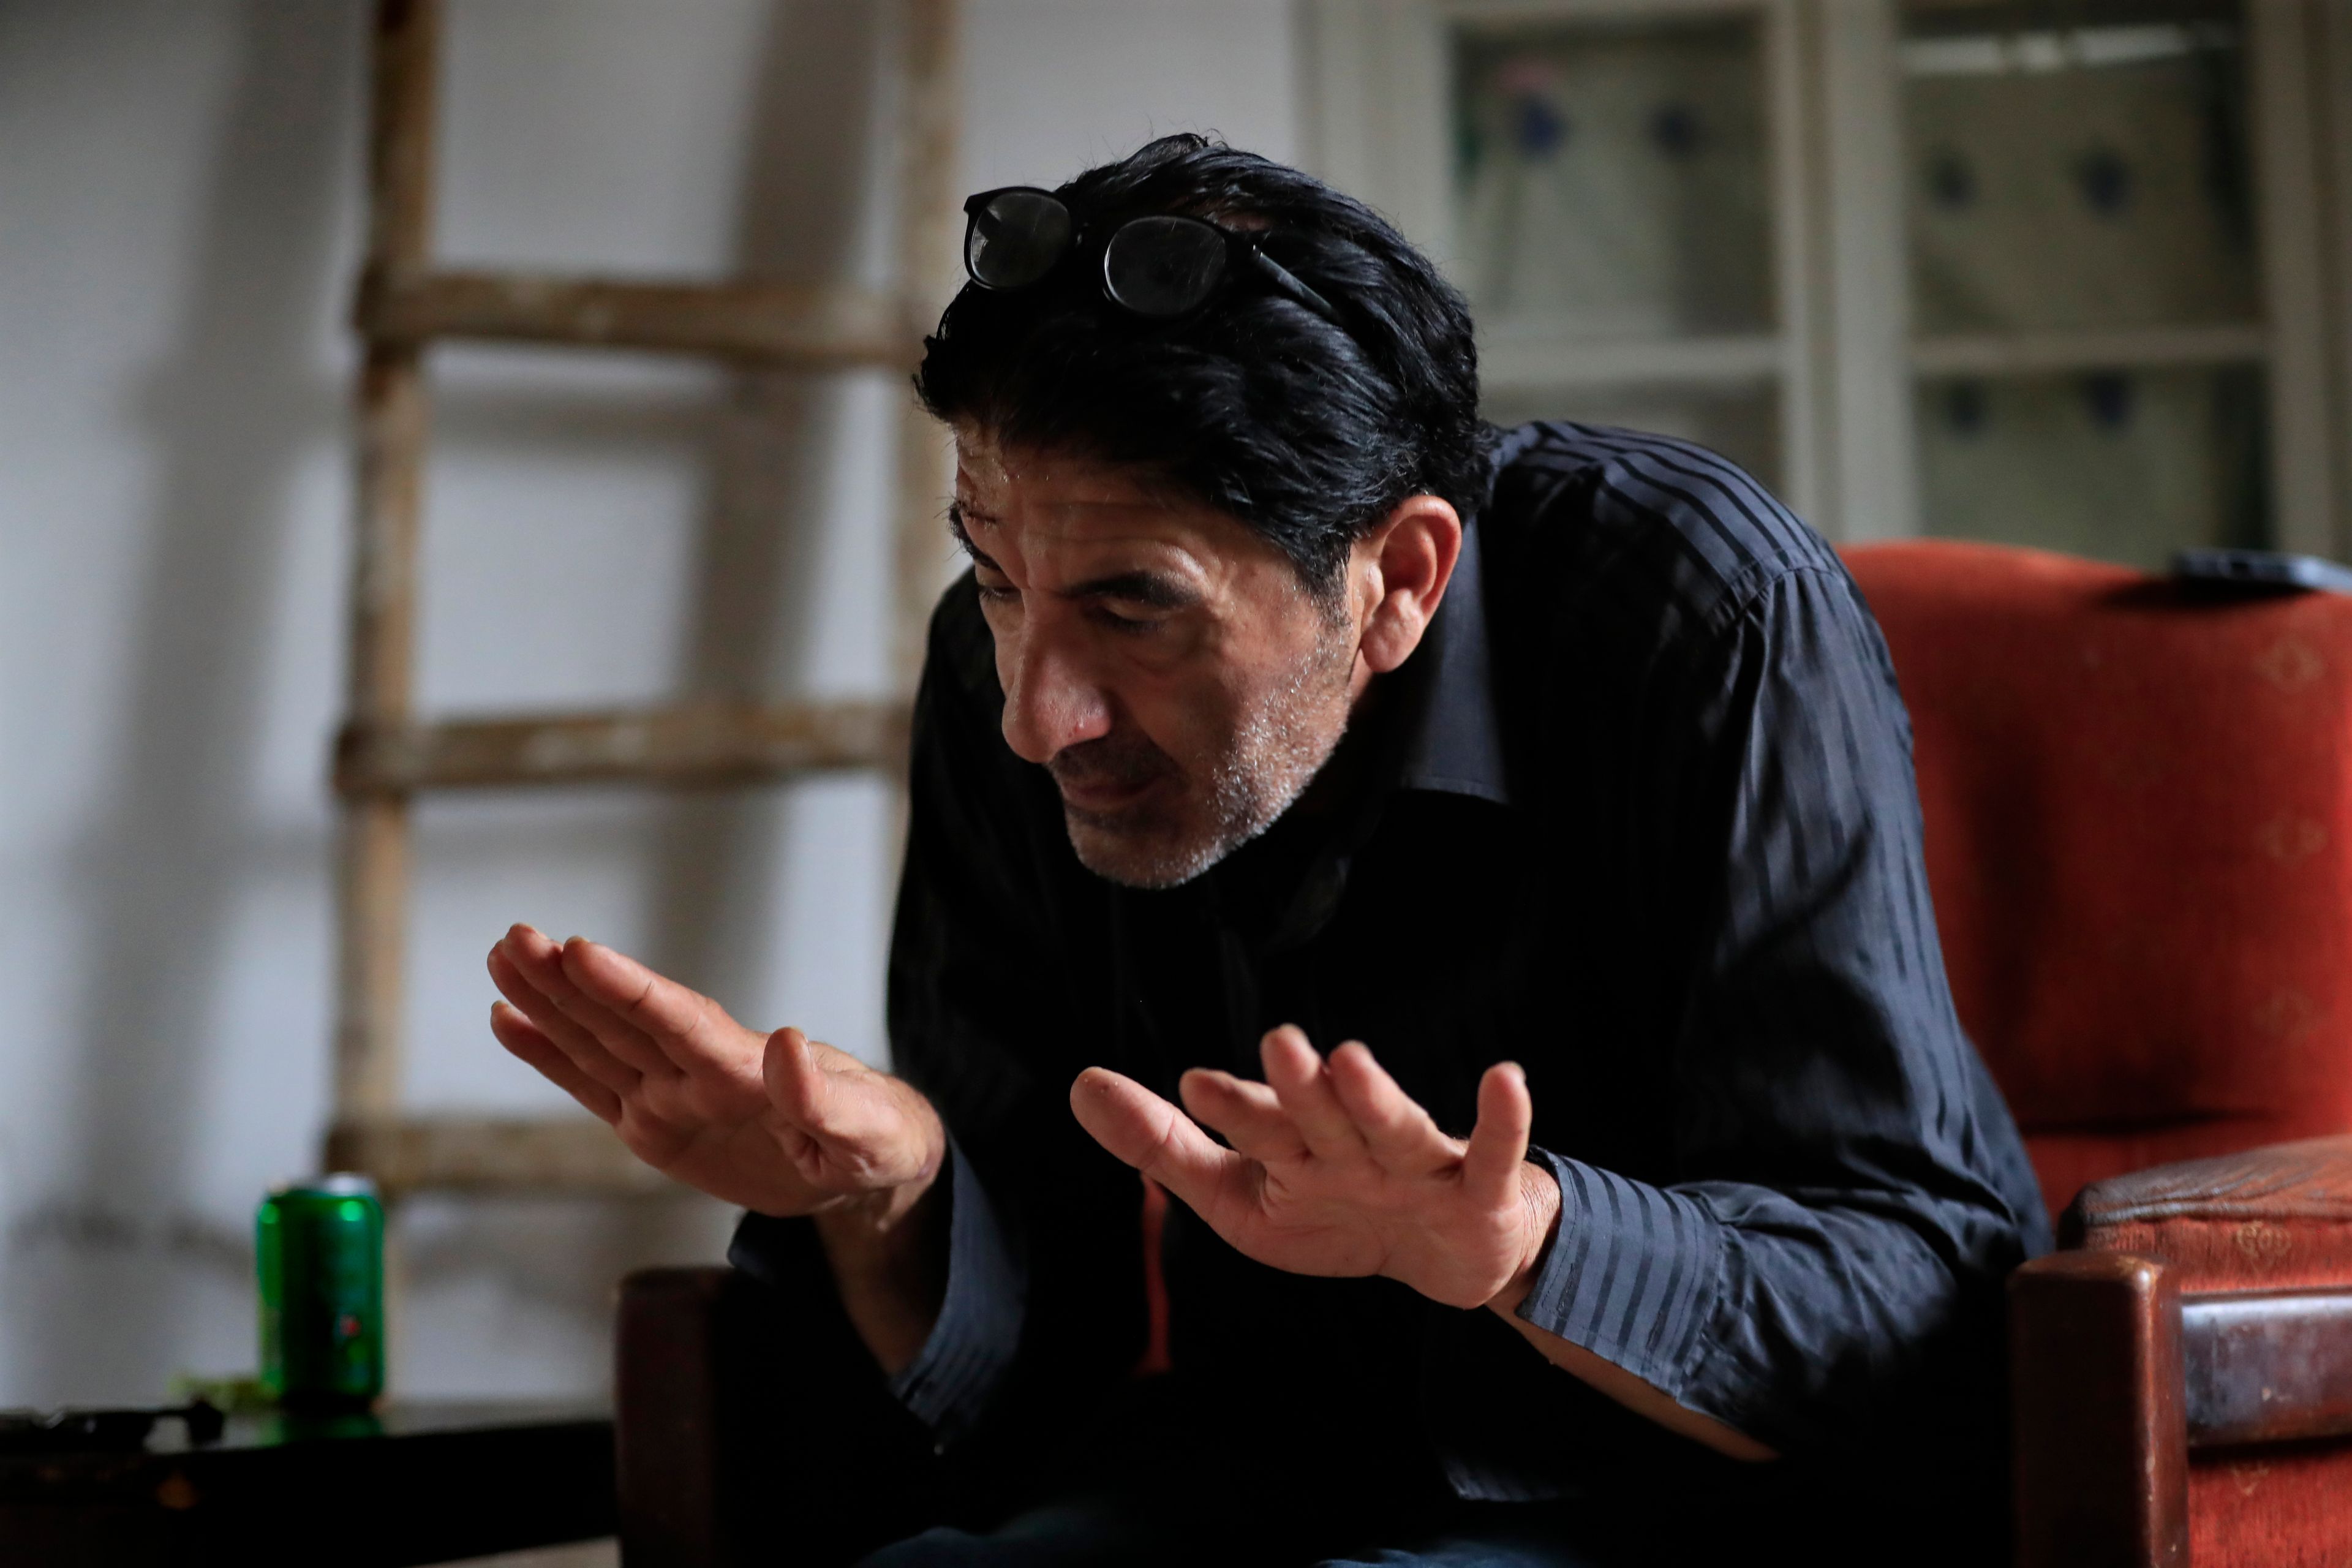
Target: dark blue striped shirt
1638,815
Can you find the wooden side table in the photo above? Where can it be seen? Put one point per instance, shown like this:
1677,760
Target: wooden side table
411,1484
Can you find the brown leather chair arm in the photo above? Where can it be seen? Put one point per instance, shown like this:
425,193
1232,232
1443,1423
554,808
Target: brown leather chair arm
751,1426
2201,1304
666,1416
2259,1245
2101,1450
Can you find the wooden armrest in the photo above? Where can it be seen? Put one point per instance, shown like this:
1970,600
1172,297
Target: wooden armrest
2259,1244
2102,1441
2200,1305
666,1416
751,1425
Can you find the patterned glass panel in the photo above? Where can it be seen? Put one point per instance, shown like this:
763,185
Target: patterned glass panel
1610,176
2093,176
1741,423
2126,467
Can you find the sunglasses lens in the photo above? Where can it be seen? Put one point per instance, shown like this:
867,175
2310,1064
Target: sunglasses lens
1164,266
1017,239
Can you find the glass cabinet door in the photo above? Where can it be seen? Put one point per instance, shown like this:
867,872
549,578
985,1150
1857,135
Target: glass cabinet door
1613,223
2085,278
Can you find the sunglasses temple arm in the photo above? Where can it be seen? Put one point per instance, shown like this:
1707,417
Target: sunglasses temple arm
1283,278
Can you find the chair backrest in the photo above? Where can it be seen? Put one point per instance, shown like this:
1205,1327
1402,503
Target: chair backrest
2139,801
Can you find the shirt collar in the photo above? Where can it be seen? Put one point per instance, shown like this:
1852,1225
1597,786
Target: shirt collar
1455,744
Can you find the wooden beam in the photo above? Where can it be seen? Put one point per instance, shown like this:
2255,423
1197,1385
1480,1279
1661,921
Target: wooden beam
930,229
786,323
712,744
495,1155
372,890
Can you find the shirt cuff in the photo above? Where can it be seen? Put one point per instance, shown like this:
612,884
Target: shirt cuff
1629,1272
948,1384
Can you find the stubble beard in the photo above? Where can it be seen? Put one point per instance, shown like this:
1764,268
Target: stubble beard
1276,750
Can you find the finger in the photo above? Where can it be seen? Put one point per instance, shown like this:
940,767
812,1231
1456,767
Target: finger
1248,1114
1498,1144
581,1047
650,1002
1296,1076
1160,1140
520,1035
624,1034
540,962
1399,1132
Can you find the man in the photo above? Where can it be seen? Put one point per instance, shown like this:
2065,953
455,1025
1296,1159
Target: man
1478,876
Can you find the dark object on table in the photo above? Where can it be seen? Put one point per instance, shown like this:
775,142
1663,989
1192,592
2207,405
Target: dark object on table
406,1485
2261,570
103,1431
2138,804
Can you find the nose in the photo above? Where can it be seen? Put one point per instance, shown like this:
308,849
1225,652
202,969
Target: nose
1051,701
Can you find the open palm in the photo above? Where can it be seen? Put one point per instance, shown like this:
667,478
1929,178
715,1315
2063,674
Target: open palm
775,1122
1334,1170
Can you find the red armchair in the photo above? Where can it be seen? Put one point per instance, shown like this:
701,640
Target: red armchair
2138,800
2139,837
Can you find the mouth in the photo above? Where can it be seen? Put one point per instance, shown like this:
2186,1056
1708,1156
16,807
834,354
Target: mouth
1106,797
1109,778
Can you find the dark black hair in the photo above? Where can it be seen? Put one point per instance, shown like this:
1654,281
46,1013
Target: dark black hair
1307,431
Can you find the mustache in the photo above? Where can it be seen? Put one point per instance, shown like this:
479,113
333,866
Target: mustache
1117,761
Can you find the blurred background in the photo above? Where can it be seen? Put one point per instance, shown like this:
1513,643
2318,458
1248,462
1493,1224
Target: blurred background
2064,276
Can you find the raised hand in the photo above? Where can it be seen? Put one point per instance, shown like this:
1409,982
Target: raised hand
775,1122
1334,1170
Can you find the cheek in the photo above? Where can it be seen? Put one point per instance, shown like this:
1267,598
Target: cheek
1191,714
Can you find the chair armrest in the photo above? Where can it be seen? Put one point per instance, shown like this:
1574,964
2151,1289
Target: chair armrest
2101,1449
2260,1246
750,1424
2200,1304
666,1416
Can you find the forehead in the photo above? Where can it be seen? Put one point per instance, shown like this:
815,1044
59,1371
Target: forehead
1027,487
1032,500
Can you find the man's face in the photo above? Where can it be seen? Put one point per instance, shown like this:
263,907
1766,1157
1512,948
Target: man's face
1159,657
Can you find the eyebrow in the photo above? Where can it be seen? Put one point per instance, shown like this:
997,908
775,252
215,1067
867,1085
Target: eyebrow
1154,589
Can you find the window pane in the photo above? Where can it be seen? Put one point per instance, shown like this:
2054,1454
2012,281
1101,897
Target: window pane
1741,423
1610,179
2126,467
2076,177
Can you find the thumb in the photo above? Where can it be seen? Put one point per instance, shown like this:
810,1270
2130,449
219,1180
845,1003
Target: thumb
866,1121
1154,1137
796,1086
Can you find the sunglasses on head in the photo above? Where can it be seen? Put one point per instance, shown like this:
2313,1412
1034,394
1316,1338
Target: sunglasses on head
1158,267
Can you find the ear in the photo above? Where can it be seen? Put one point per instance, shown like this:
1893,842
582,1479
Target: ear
1396,575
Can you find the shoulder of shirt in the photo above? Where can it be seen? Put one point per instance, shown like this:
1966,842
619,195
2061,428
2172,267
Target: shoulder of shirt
1649,530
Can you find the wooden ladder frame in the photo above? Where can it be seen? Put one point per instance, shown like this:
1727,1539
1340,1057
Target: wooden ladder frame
386,753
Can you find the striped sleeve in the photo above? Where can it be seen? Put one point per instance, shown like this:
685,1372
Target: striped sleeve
1817,1262
950,1381
973,1346
1628,1273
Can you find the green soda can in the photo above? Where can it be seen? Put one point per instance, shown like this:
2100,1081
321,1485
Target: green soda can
319,1247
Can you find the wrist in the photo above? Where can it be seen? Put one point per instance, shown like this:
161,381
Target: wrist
870,1220
887,1254
1538,1214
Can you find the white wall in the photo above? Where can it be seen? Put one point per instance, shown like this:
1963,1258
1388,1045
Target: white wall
178,217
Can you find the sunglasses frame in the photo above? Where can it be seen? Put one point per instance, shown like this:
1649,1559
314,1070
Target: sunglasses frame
1241,249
